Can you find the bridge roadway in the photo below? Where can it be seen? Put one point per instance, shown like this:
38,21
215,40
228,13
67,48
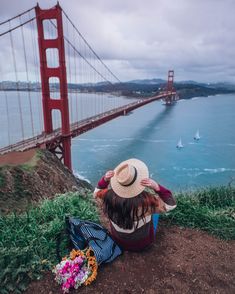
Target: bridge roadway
81,126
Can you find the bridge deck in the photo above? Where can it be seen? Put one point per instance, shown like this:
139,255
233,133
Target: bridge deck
79,127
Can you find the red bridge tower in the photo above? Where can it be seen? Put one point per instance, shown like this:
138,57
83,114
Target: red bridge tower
61,146
172,96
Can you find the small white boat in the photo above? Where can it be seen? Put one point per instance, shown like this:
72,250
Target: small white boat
179,145
197,136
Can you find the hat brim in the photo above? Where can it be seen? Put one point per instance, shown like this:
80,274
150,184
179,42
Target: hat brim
136,188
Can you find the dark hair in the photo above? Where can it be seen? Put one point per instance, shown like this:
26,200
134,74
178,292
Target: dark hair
124,211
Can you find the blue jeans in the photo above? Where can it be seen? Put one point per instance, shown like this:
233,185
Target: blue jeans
155,218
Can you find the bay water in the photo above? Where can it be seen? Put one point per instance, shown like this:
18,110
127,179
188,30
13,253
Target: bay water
151,133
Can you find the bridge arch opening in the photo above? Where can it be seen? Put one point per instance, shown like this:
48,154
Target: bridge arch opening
52,57
56,119
54,87
50,29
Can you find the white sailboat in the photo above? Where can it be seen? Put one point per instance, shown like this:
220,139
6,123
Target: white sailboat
197,136
179,145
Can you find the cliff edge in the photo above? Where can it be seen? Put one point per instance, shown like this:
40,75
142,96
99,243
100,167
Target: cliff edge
30,176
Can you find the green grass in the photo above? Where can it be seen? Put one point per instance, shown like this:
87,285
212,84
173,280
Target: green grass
208,209
28,240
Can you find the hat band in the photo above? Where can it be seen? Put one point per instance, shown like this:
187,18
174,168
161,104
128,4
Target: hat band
134,178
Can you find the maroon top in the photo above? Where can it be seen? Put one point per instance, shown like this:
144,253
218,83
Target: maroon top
144,235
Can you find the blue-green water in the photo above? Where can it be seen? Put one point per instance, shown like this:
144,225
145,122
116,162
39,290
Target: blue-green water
16,127
151,134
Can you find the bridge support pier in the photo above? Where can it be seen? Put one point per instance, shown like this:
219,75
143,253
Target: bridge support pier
64,146
60,147
170,89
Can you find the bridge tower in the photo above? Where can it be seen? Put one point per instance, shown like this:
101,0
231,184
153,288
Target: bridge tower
170,88
60,147
170,81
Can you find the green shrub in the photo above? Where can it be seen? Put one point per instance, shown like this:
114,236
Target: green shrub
209,209
28,240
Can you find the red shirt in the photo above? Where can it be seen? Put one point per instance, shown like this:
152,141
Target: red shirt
143,236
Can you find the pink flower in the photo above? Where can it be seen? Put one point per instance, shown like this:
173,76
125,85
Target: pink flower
72,273
71,281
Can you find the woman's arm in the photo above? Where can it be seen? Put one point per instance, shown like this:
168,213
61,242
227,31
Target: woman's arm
165,194
102,185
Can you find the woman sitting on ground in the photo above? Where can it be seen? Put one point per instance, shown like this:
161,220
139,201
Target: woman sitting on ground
132,201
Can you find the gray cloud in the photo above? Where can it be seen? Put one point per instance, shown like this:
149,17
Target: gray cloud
143,39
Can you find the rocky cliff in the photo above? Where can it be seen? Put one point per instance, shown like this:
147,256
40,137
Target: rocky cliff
27,177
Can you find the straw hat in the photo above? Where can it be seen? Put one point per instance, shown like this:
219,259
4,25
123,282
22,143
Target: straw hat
127,176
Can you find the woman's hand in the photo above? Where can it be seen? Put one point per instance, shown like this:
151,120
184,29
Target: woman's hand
108,175
150,183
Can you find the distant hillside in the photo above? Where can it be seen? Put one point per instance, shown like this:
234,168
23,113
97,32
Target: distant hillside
186,91
134,88
148,82
142,88
152,87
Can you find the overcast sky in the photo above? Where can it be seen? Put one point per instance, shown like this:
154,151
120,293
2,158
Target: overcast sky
141,39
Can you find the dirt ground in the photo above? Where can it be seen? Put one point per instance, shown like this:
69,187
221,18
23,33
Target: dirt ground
16,158
180,261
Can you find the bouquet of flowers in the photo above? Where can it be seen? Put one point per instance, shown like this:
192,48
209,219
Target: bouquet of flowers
77,269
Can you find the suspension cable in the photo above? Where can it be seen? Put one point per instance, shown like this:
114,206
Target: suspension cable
17,82
81,71
8,118
36,73
7,108
75,68
90,47
10,19
69,76
16,27
22,24
80,54
88,62
27,77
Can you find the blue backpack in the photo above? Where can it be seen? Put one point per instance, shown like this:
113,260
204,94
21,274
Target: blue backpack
89,234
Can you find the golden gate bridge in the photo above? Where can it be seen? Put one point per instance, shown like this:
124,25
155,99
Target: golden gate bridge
47,48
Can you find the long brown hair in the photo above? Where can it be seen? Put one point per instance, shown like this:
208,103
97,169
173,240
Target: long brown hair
125,211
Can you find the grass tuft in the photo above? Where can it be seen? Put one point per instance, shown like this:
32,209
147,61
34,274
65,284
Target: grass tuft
208,209
28,240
